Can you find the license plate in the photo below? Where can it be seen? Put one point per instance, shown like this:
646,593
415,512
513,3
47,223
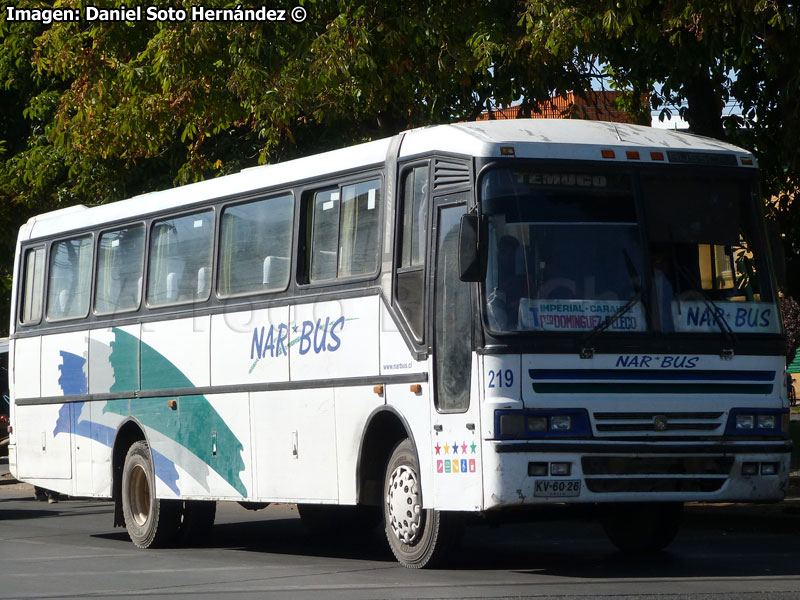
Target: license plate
562,488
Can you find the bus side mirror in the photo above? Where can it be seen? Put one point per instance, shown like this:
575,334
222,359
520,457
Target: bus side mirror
469,260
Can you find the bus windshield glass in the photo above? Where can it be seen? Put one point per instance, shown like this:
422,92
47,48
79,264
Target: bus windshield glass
568,251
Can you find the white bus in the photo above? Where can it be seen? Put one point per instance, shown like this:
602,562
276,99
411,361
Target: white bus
464,319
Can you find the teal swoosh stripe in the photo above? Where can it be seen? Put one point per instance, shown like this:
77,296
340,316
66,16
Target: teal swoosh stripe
195,424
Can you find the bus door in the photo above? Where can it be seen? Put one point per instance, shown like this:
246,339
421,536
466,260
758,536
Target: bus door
455,413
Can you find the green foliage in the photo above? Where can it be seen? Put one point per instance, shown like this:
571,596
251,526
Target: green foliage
92,112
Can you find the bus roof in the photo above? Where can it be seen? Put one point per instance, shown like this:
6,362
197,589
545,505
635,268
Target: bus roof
522,138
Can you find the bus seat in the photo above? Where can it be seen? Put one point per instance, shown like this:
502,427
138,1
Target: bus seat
63,302
324,264
202,282
171,293
275,271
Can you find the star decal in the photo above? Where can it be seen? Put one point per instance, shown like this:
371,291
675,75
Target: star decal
294,328
473,446
446,448
463,448
438,448
455,448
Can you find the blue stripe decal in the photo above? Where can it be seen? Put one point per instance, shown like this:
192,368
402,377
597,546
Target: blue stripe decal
631,375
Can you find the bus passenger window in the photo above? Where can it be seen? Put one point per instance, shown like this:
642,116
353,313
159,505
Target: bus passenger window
324,234
70,278
358,235
120,262
345,231
180,258
255,247
34,285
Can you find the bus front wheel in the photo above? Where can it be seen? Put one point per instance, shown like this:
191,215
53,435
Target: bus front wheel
643,528
417,537
150,522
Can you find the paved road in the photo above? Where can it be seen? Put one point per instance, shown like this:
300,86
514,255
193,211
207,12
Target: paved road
70,550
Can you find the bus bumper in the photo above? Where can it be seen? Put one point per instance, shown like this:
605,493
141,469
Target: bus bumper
527,473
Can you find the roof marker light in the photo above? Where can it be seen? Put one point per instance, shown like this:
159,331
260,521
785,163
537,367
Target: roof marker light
608,154
656,156
747,161
507,151
632,155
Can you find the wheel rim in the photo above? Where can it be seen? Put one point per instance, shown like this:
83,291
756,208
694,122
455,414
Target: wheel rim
403,503
139,495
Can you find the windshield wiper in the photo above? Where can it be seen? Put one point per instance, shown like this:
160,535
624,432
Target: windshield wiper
711,306
587,352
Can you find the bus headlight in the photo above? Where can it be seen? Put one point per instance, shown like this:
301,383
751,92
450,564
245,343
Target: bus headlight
542,423
537,424
766,421
512,425
757,422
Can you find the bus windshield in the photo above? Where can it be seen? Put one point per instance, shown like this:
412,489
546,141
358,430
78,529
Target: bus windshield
568,249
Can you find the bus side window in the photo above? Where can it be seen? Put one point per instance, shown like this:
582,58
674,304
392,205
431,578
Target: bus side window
120,262
344,231
70,278
34,286
324,234
410,288
359,229
180,259
255,246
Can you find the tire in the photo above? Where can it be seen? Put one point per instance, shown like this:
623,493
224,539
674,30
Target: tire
197,521
418,537
334,518
643,528
150,522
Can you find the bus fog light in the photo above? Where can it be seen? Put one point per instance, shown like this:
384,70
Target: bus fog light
537,424
561,422
560,469
749,469
537,469
766,421
745,421
769,468
512,425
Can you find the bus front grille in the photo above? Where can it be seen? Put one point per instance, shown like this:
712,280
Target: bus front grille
616,474
657,465
654,485
654,423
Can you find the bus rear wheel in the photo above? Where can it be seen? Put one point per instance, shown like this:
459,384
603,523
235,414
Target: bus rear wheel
150,522
417,537
643,528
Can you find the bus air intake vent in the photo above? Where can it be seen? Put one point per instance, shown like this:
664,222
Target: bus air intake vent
672,382
447,173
